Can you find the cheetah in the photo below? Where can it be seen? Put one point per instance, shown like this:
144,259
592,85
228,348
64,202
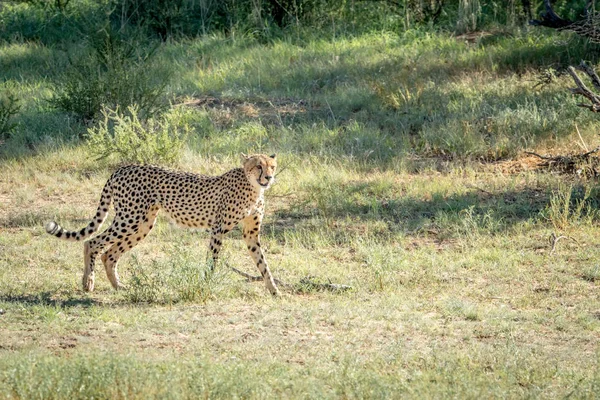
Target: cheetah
217,203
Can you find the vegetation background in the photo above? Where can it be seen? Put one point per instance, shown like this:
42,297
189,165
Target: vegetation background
401,128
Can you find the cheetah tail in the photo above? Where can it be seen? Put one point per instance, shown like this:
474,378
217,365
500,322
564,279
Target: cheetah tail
101,213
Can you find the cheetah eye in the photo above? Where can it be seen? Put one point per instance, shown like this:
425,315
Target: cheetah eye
259,167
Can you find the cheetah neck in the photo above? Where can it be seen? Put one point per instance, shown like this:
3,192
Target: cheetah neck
258,193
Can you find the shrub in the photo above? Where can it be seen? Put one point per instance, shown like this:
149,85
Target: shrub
131,139
113,72
9,107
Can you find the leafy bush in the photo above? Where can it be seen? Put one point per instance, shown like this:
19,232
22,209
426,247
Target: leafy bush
131,139
9,107
113,72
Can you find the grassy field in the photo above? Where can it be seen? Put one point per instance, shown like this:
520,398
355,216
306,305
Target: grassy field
402,174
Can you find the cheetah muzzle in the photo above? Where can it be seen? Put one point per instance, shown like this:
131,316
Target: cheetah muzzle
138,192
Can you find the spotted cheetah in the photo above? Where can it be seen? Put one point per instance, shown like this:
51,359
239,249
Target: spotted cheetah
217,203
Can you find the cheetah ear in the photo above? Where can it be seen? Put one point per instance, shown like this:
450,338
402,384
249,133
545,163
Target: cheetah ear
273,155
244,157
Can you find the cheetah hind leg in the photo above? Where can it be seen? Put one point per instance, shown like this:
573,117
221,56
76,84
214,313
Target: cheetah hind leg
110,259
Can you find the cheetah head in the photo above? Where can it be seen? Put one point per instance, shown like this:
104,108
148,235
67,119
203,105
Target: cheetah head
260,169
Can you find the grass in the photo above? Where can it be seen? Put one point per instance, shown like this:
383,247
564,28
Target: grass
391,184
450,298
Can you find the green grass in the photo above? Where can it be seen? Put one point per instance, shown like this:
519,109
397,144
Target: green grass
388,146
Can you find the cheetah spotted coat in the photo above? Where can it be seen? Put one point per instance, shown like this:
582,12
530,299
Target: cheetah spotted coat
138,192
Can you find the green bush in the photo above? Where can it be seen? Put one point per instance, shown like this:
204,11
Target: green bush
113,72
132,139
9,107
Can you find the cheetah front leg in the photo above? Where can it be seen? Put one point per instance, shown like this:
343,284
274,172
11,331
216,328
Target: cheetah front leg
216,241
251,236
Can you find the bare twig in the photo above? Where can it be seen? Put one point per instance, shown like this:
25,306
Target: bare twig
306,283
284,195
470,186
597,149
537,155
251,278
584,155
254,278
553,239
282,169
588,26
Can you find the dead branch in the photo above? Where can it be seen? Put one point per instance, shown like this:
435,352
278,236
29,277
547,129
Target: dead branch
582,164
550,18
588,26
591,73
306,284
283,168
583,90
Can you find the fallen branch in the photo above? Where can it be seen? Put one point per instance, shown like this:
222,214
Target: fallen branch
305,284
553,239
574,163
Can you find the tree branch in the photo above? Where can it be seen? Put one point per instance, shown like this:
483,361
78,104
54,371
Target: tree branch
550,18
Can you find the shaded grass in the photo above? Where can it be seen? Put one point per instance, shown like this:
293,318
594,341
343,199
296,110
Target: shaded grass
374,97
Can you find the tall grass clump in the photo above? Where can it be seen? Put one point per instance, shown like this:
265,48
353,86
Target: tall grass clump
469,13
129,138
115,70
181,278
571,207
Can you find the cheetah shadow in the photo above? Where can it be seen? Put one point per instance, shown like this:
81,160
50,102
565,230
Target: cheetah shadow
49,299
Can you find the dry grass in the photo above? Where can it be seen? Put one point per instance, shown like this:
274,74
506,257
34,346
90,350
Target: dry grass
459,297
